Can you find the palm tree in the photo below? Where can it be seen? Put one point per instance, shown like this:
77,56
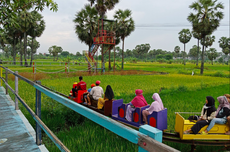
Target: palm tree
184,37
206,20
177,49
193,52
212,54
224,43
12,38
198,37
26,21
125,25
102,6
54,50
34,45
86,24
36,30
208,41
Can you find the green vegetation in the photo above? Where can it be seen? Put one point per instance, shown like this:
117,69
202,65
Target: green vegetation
179,93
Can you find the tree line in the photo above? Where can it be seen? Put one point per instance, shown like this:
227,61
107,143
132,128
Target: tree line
20,24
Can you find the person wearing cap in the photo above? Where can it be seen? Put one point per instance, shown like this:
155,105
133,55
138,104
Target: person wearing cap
96,92
138,101
80,86
86,94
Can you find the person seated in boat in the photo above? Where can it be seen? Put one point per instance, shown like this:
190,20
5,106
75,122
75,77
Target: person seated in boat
86,94
207,114
96,93
221,114
80,86
138,101
157,105
109,95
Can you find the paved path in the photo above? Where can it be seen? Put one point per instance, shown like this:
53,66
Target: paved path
14,134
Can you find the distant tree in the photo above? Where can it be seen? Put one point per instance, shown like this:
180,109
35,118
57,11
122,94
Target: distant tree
206,20
153,53
78,54
198,37
184,37
208,41
54,50
177,50
34,45
224,43
220,60
142,50
168,57
129,53
193,52
212,54
125,26
65,53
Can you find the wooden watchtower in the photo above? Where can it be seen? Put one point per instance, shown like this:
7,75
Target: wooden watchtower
102,37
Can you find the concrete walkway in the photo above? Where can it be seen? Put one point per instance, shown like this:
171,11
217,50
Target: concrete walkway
16,134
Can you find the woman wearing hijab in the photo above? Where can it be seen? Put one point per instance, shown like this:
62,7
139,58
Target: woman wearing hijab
138,101
221,114
157,105
109,95
207,114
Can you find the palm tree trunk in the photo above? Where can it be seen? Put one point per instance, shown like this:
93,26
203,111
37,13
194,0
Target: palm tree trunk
14,52
32,49
21,50
184,54
197,62
123,45
25,48
202,61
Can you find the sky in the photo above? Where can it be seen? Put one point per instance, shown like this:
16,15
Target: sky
157,22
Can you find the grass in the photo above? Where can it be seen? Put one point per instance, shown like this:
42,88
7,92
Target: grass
179,93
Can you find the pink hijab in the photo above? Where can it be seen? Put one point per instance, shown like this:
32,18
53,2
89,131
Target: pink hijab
223,103
157,105
139,100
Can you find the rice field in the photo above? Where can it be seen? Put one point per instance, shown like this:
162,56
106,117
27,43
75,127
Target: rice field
179,92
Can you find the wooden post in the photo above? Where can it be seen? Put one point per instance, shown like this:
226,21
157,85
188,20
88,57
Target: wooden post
65,67
6,80
151,132
38,113
33,67
16,91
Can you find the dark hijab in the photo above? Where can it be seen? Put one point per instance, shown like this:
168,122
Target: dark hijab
109,92
210,106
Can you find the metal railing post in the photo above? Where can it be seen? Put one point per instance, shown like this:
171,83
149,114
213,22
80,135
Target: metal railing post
16,91
38,113
6,80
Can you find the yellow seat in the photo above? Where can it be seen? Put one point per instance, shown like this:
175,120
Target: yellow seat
216,133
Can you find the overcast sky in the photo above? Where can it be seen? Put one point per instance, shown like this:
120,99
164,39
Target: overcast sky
157,23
